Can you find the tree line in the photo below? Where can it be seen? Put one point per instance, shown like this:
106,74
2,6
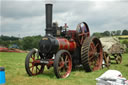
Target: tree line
111,33
29,42
25,43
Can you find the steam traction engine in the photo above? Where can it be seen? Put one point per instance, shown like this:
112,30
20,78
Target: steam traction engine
63,49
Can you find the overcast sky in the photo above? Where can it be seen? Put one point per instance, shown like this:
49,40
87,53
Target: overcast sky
27,17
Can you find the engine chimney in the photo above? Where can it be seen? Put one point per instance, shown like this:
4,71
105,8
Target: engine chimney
48,19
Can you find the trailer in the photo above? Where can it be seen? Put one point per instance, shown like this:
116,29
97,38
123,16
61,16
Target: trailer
112,50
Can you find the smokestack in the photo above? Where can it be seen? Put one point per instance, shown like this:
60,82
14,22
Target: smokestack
48,18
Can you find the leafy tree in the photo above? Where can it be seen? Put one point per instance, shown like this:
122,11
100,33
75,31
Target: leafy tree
5,38
125,42
106,33
97,34
113,33
125,32
118,32
4,43
31,42
25,43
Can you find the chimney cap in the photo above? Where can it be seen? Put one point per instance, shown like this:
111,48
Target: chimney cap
49,1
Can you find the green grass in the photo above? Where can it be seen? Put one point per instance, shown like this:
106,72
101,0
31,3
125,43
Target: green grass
121,40
16,74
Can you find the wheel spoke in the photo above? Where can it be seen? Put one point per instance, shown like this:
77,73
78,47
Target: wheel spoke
60,67
33,58
97,62
66,58
38,68
31,66
82,38
91,53
62,59
95,47
32,69
92,46
91,58
80,35
66,62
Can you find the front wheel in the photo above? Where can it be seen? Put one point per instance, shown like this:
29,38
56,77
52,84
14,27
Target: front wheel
33,68
62,64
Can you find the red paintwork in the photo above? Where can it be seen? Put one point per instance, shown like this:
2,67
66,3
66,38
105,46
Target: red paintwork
11,50
35,61
72,33
51,61
66,44
3,48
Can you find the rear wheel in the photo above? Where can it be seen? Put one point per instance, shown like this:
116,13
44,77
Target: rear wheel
31,67
91,54
62,64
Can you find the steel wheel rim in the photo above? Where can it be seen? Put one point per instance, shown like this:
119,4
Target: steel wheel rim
33,66
64,65
95,56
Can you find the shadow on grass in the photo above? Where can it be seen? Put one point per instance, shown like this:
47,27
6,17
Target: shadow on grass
44,74
48,74
126,65
26,75
78,68
113,63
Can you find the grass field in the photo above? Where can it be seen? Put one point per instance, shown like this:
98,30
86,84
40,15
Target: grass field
16,74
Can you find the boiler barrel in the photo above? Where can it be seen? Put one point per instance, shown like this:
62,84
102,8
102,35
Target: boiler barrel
52,45
66,44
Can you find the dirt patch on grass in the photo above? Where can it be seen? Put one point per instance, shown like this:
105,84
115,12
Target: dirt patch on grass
12,50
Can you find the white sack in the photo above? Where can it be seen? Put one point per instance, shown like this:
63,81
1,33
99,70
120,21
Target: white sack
110,75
